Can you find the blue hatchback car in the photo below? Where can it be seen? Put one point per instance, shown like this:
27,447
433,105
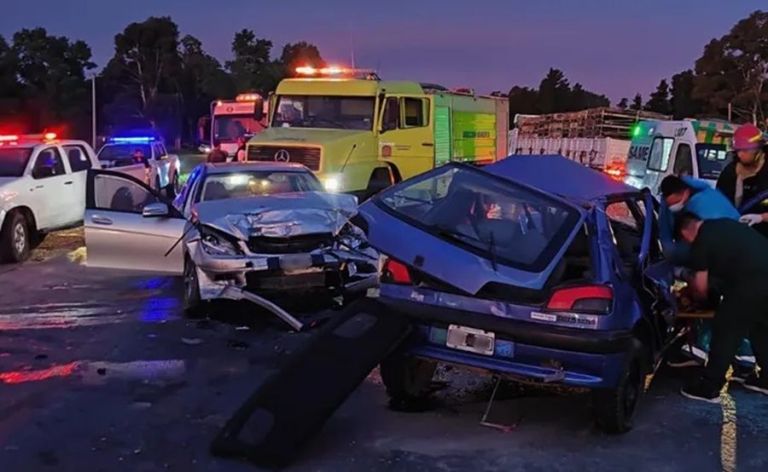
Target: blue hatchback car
532,268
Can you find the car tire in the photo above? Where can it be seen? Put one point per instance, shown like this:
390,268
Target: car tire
614,409
15,240
381,178
408,381
192,304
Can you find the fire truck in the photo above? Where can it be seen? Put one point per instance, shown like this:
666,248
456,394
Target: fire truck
359,133
230,120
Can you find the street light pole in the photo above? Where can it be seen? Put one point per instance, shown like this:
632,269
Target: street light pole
93,111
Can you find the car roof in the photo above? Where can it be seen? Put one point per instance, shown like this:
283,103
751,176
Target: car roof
228,167
558,175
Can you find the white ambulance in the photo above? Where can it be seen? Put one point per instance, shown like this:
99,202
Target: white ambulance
698,148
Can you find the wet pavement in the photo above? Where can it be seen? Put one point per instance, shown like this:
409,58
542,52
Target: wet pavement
99,371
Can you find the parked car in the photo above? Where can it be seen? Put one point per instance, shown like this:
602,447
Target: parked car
42,188
532,268
242,229
156,166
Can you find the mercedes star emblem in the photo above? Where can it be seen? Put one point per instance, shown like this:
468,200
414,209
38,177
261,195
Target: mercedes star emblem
282,156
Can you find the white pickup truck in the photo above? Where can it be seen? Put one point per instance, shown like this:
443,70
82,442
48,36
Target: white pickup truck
42,188
145,158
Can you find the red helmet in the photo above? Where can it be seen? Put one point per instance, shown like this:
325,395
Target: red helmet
748,138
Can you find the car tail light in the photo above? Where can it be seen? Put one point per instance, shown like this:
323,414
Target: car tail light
583,298
395,272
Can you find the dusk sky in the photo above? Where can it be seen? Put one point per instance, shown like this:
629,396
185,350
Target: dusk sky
612,47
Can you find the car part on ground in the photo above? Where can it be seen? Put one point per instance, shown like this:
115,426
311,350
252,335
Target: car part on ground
234,293
294,403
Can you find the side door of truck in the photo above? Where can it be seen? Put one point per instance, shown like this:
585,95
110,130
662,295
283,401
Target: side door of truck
79,160
406,138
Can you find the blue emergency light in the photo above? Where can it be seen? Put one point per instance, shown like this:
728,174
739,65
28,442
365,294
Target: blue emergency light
132,140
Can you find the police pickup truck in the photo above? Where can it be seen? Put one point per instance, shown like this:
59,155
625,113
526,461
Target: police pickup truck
42,188
144,157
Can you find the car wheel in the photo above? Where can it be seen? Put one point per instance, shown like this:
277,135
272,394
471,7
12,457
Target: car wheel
408,381
15,238
193,304
614,409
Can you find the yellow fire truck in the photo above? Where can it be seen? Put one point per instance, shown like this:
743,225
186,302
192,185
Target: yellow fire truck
360,134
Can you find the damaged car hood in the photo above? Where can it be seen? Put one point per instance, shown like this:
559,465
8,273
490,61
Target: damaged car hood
279,216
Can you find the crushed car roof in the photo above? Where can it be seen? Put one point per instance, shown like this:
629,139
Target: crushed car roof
558,175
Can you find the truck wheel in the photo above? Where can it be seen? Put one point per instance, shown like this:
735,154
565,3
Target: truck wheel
614,409
408,381
14,238
381,178
193,305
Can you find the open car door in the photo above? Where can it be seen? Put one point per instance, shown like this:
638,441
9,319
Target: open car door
129,226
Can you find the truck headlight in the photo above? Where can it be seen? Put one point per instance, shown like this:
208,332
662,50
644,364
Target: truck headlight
332,183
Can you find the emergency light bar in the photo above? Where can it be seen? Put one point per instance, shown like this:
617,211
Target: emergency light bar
132,140
329,71
248,97
9,137
15,138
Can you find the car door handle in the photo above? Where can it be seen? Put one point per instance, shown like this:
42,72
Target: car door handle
101,220
69,182
428,144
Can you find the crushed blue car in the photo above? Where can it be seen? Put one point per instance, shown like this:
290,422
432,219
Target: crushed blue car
534,268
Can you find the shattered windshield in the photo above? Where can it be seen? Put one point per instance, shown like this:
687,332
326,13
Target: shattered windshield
309,111
13,161
250,184
501,221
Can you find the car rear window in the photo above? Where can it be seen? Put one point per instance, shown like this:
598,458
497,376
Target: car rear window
487,215
13,161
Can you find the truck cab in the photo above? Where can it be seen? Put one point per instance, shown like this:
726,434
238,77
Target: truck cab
42,188
697,148
361,134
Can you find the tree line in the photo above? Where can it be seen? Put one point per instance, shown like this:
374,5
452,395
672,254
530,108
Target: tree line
159,77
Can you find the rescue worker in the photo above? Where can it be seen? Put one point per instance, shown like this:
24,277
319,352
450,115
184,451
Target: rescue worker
695,196
217,154
139,157
241,155
737,256
747,176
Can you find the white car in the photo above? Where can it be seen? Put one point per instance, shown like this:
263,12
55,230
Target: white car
157,168
42,188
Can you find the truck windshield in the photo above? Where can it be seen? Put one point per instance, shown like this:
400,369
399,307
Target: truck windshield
310,111
227,128
712,159
13,161
498,220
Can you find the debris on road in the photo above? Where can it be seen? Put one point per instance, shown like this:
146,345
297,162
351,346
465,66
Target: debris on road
192,341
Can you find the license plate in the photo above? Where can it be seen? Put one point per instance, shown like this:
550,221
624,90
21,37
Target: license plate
471,340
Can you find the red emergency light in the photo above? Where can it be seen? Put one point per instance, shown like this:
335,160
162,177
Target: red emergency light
247,97
8,137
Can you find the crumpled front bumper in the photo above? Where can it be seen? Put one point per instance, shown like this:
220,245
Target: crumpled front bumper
355,271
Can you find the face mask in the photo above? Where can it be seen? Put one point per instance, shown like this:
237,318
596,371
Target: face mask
677,207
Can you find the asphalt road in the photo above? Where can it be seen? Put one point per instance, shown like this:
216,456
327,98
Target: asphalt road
99,371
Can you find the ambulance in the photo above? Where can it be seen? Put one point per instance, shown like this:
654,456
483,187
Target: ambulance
230,120
698,148
359,133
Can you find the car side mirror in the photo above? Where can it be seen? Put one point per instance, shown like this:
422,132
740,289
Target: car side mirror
43,172
155,210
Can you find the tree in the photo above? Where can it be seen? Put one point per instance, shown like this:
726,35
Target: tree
202,81
554,92
637,103
684,105
522,100
733,70
143,77
252,69
623,103
300,54
51,71
659,101
580,99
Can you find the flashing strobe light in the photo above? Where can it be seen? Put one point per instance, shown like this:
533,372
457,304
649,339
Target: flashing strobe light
329,70
306,70
636,130
132,140
49,136
9,137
